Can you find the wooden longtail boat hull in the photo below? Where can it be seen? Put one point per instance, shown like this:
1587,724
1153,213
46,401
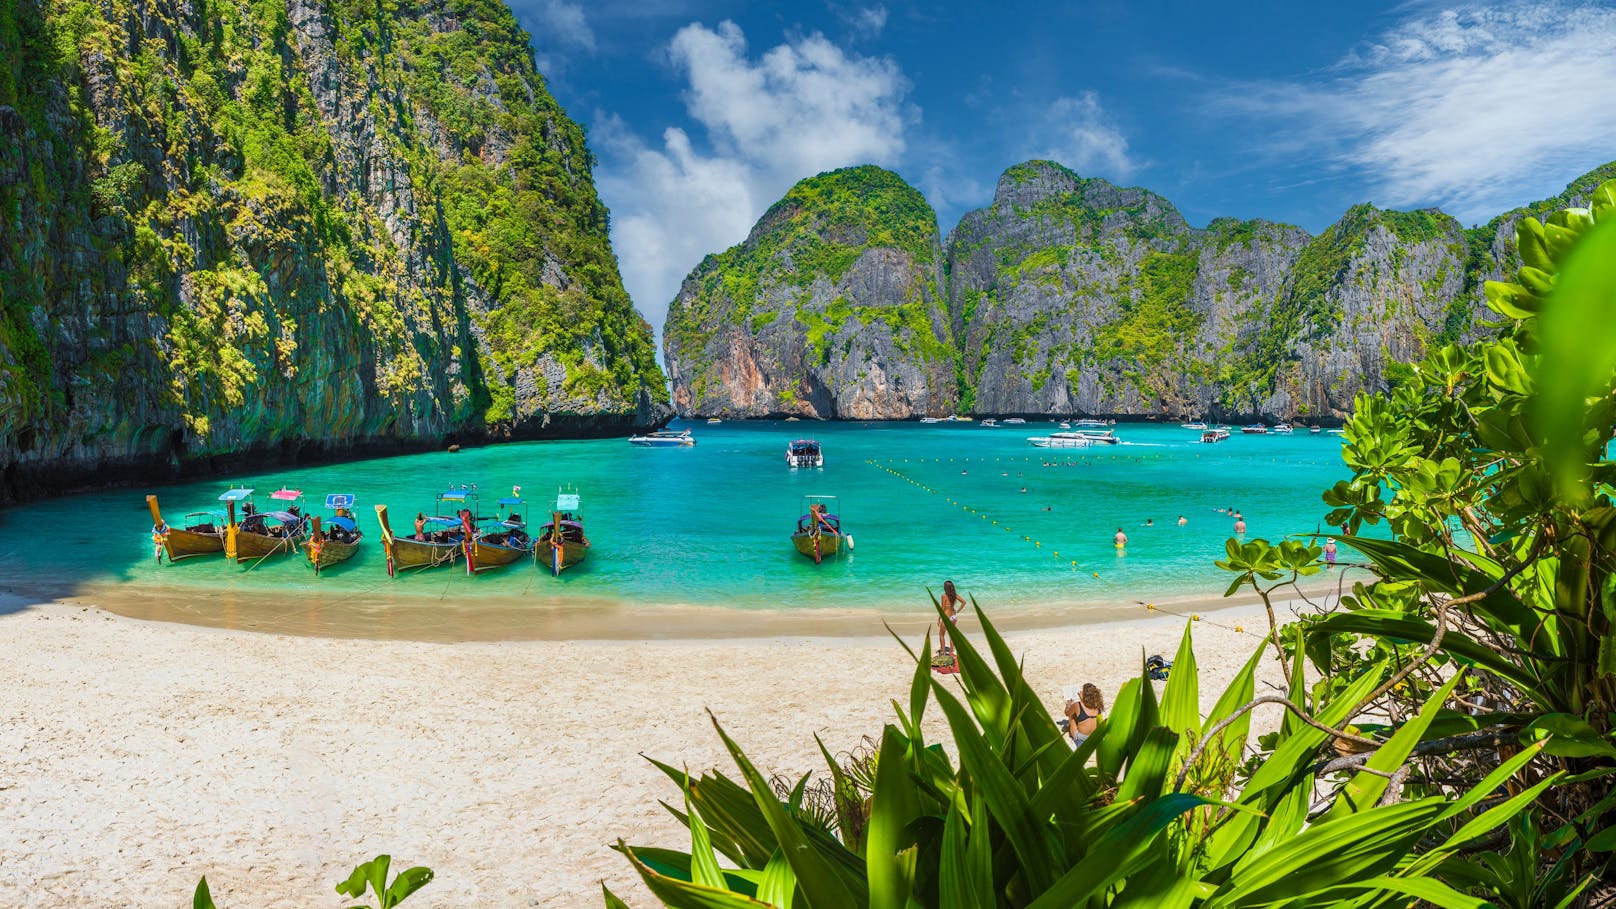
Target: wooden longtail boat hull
182,544
828,545
259,545
559,559
330,552
407,553
488,555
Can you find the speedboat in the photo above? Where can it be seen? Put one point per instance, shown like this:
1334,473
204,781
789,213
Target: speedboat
1255,429
1081,425
1283,429
819,534
663,438
990,423
1197,426
1211,436
804,453
931,419
713,421
1062,440
1314,430
1338,431
1014,421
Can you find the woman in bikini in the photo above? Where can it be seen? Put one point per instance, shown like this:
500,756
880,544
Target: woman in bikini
1083,715
952,603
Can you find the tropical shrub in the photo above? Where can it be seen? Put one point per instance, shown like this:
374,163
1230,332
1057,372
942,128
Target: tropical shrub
1153,809
371,874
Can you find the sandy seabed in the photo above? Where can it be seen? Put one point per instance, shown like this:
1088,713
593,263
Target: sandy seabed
136,756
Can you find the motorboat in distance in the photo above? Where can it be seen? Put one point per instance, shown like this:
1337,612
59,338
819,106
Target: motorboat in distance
1061,440
804,453
1255,429
663,438
1212,436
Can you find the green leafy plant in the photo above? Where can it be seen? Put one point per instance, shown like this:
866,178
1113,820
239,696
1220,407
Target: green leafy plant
371,874
1146,811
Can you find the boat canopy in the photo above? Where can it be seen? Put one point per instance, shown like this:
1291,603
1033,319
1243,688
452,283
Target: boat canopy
287,495
566,501
345,523
510,501
339,500
285,517
236,495
442,521
207,514
457,495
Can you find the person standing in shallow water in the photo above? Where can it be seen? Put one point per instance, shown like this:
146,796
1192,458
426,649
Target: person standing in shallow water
1240,526
1121,539
1329,553
952,603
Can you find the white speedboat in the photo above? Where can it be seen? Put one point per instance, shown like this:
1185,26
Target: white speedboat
663,438
804,453
990,423
1283,429
1061,440
1212,436
1081,425
1097,436
1197,426
1014,421
931,419
1255,429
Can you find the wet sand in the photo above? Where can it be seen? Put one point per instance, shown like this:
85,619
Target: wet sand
137,756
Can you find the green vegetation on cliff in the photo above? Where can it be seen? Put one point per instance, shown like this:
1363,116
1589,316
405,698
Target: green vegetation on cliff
318,220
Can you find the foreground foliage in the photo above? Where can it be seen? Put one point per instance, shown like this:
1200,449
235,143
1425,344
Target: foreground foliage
371,874
1157,808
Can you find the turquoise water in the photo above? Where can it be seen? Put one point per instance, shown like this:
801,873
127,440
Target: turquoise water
710,525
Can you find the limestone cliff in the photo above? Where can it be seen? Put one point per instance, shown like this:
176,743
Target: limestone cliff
1070,295
831,308
252,229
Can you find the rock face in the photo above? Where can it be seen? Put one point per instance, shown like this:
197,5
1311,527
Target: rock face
1070,295
240,230
831,308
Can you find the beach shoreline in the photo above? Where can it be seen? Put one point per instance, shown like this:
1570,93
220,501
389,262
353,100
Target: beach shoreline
561,618
138,756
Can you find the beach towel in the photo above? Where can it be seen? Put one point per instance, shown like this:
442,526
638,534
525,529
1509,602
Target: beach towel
945,663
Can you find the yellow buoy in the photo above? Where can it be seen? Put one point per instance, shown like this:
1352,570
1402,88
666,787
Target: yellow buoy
1096,574
1195,617
1240,628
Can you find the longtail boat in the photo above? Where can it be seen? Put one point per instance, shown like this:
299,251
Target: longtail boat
261,534
498,541
819,534
339,538
438,539
201,533
562,543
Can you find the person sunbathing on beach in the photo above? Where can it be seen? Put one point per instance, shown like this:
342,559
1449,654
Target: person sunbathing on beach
1083,715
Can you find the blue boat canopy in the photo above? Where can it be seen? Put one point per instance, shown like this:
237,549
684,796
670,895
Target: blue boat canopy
236,495
567,501
444,522
339,500
456,495
510,500
346,524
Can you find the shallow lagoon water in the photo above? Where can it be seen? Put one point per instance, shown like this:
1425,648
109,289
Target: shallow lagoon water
709,526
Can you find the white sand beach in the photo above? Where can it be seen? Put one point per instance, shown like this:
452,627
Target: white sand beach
137,756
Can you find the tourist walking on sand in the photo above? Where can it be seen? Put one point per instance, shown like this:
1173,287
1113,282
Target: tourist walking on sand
952,603
1329,553
1083,715
1121,538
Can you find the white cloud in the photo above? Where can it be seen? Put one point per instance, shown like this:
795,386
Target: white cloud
868,21
564,23
1075,132
800,108
1475,109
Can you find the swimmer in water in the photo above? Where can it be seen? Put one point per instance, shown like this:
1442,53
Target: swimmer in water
1240,527
1121,538
1149,522
1182,520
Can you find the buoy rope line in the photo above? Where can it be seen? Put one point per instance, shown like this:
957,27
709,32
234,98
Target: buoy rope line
982,515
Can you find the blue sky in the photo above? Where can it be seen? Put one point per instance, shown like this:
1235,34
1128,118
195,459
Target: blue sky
704,112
